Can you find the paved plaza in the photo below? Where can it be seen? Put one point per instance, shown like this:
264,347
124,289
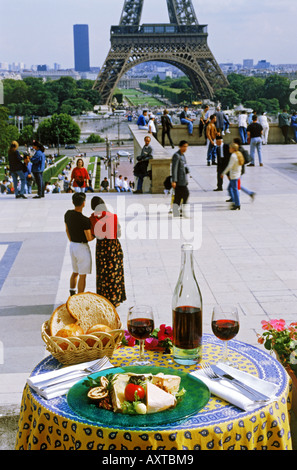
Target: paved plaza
246,257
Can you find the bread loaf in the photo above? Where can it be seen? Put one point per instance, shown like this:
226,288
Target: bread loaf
59,319
91,309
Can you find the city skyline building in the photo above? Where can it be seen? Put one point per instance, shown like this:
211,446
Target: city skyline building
81,48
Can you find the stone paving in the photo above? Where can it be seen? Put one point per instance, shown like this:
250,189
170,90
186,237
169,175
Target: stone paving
246,257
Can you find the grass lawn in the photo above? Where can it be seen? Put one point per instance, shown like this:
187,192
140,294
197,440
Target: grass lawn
137,98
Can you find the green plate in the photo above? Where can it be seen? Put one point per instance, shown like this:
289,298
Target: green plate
196,397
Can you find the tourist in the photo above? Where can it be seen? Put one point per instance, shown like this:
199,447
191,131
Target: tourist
78,229
284,123
142,121
251,116
179,182
140,169
211,134
294,125
234,169
242,127
105,184
38,166
79,177
223,156
166,128
226,128
186,120
118,183
263,120
255,131
16,167
126,186
220,121
152,127
246,157
28,174
204,120
110,281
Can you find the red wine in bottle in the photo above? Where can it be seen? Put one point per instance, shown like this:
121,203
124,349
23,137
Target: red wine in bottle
187,313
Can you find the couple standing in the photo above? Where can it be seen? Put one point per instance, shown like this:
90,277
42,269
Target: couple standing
103,226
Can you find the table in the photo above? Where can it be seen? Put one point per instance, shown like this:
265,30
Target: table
51,424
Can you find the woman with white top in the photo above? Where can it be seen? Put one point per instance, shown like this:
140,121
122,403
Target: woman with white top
263,120
152,127
234,169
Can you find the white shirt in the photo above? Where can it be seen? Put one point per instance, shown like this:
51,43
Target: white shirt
151,126
263,121
126,185
118,182
233,167
242,120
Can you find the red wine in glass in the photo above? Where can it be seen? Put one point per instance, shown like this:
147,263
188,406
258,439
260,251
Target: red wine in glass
140,324
225,325
140,328
225,329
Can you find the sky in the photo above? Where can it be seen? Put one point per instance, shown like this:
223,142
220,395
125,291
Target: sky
41,31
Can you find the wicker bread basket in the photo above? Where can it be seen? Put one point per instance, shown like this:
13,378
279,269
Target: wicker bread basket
76,349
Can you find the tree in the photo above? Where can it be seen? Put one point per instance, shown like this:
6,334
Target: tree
8,132
60,128
227,97
26,135
75,106
276,86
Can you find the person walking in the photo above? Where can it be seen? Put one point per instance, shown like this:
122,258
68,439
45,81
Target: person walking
166,128
110,281
211,134
38,166
246,157
17,167
242,127
284,123
78,230
263,120
223,157
294,125
255,131
234,169
179,180
220,120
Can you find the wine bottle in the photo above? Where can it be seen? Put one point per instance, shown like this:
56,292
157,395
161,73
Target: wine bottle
187,312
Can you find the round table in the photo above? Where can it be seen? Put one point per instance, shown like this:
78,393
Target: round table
51,424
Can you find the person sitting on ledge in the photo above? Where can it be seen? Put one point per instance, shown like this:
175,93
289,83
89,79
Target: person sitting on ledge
142,121
185,119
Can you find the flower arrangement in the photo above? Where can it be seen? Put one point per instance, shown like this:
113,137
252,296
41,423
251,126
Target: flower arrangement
281,338
159,340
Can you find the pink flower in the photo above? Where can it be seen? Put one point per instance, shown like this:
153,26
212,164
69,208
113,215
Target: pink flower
164,333
278,325
151,343
266,325
128,339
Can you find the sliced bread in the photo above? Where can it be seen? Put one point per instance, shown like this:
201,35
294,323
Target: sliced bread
91,309
59,319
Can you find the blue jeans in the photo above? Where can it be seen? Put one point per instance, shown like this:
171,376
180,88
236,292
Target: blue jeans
243,134
295,133
211,152
256,144
21,175
233,191
189,124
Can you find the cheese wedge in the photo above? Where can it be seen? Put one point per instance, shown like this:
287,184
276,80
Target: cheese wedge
118,391
158,399
169,383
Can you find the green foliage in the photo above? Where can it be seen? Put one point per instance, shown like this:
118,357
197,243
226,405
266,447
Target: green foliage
8,132
94,139
33,97
26,135
59,128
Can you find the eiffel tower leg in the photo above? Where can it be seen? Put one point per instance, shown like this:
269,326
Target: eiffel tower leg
110,74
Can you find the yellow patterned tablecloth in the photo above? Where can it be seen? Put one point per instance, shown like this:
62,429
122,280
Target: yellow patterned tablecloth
51,424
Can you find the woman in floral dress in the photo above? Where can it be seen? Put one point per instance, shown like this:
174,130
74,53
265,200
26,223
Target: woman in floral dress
110,282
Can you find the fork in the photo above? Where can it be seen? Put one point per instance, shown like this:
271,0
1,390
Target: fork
249,392
76,373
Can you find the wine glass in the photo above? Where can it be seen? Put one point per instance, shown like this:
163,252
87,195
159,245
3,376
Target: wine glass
140,322
225,325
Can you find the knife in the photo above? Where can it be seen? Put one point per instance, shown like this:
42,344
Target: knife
254,393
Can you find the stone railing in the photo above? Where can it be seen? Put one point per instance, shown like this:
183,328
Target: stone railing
160,165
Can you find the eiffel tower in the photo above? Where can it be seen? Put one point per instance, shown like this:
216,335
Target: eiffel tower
182,43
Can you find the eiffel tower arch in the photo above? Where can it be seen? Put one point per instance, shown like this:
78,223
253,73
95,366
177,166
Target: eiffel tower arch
182,43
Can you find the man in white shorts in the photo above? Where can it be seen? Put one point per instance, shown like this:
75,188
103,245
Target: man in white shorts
78,229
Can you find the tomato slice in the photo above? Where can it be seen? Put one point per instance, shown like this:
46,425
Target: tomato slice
134,392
